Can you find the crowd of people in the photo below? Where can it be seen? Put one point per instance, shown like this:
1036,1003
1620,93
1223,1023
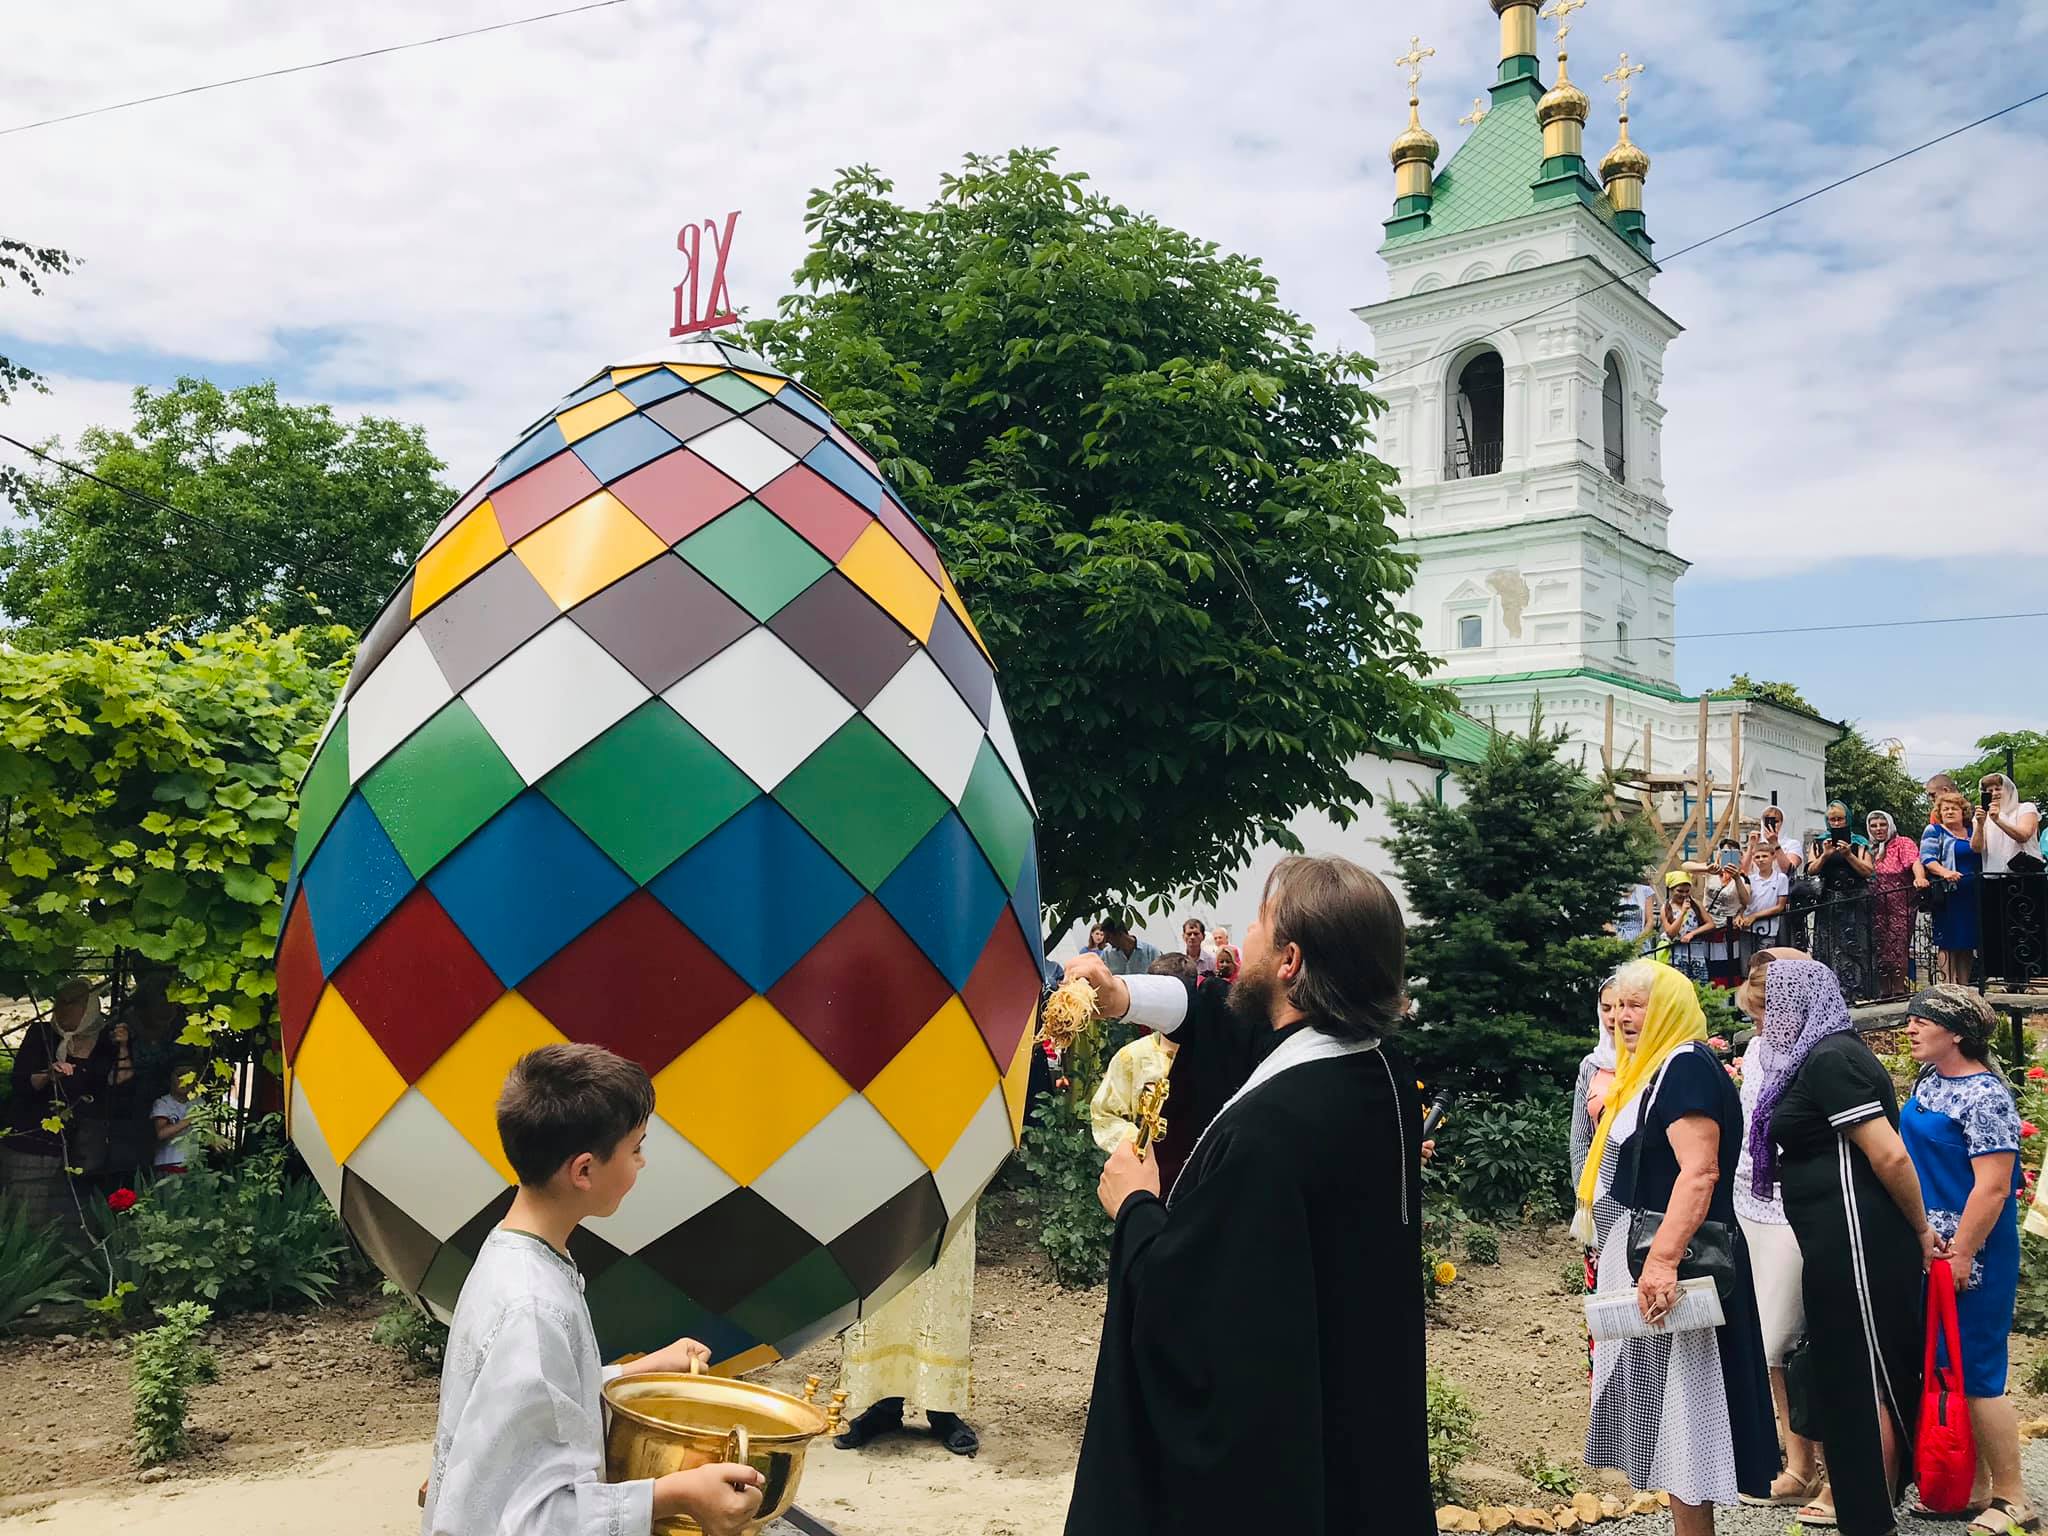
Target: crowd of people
1864,901
1816,1207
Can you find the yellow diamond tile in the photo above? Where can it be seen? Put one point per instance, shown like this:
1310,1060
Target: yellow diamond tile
767,381
587,548
952,595
628,375
696,373
791,1087
1017,1082
465,1082
750,1360
349,1082
582,420
883,569
467,548
935,1083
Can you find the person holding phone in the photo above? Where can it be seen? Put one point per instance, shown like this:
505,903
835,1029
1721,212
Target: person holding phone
1957,864
1784,846
2006,831
1841,924
1682,921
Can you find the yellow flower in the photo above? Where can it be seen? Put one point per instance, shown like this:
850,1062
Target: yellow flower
1446,1272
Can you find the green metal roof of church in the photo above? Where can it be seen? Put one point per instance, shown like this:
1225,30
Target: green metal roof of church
1492,177
1464,741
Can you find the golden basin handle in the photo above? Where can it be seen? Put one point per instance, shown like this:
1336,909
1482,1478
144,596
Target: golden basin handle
696,1366
737,1445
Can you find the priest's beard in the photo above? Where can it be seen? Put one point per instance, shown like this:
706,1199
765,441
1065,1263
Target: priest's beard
1255,992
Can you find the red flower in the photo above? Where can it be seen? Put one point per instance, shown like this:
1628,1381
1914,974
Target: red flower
2037,1073
120,1200
1061,1084
2028,1128
1715,1042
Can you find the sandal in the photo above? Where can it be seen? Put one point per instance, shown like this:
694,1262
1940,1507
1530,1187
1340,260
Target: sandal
1816,1516
883,1418
1969,1511
2003,1515
953,1432
1788,1490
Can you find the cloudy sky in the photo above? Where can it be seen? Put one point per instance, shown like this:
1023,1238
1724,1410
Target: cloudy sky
454,235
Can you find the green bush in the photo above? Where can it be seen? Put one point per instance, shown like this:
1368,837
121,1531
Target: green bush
2037,1377
2030,1307
1064,1165
1441,1220
408,1329
1551,1477
36,1264
1509,1159
168,1363
1482,1245
1453,1434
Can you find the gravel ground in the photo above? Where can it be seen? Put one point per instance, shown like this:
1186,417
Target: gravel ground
1774,1522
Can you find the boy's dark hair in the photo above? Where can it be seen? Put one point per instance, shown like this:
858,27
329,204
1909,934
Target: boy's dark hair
564,1100
1114,927
1172,965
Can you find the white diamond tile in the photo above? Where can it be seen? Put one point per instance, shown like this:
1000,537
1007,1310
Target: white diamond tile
743,452
398,698
677,1183
976,1156
551,697
760,704
1005,740
312,1144
923,715
415,1151
838,1173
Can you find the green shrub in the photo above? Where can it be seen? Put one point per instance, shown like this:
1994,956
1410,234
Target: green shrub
1551,1477
1571,1278
2037,1377
1509,1159
168,1363
2030,1307
36,1264
1064,1165
1482,1245
1453,1434
408,1329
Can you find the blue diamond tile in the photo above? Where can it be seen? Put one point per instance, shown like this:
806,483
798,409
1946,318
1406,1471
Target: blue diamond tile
840,467
946,897
526,885
623,447
796,400
1025,903
759,891
598,386
650,387
353,882
544,442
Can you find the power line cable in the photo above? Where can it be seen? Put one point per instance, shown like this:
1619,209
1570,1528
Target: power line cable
1790,629
1768,213
294,69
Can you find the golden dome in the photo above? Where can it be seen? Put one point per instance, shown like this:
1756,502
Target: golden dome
1563,100
1415,143
1625,159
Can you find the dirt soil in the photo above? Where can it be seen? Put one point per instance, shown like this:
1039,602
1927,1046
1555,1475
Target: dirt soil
294,1389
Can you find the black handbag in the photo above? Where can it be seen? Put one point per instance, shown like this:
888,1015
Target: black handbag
1802,1390
1710,1255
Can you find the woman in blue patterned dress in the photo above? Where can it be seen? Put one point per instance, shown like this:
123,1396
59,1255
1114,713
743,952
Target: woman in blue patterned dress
1963,1130
1956,863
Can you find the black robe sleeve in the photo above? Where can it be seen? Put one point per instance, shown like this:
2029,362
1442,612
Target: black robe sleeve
1207,1403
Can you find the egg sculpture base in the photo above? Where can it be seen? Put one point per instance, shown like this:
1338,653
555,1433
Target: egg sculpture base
676,739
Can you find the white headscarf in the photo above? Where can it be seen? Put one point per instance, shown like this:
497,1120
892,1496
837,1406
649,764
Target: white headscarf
79,1040
1999,845
1604,1054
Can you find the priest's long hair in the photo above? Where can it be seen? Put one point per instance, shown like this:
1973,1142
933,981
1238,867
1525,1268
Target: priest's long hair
1354,944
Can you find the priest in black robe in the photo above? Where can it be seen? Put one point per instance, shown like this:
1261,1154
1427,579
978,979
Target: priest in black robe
1262,1352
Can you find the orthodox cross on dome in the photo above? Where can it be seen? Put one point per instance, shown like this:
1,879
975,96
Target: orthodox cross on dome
1620,76
1560,11
1477,115
1412,62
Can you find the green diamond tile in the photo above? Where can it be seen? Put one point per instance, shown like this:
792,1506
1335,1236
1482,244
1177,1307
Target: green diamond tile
323,790
1492,176
730,389
448,779
811,1288
759,560
863,800
633,1307
997,815
648,790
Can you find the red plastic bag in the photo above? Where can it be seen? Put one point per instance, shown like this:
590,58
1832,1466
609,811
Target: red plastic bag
1945,1456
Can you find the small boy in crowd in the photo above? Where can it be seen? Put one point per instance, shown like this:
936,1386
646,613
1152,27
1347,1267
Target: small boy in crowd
520,1444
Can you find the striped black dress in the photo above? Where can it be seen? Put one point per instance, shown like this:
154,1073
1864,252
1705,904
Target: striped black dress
1863,1284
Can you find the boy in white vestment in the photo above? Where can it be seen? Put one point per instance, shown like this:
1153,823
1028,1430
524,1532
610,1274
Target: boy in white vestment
519,1450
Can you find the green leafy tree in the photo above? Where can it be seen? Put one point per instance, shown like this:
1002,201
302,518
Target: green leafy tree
149,787
1155,494
1784,695
2029,763
281,511
26,265
1511,892
1858,774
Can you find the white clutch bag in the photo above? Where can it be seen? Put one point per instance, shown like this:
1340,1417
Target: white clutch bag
1615,1314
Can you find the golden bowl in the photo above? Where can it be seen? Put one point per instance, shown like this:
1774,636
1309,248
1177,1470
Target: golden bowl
662,1423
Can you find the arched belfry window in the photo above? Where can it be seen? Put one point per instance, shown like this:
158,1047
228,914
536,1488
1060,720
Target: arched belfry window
1472,434
1613,428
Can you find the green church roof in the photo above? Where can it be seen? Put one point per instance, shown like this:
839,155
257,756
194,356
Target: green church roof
1492,178
1464,741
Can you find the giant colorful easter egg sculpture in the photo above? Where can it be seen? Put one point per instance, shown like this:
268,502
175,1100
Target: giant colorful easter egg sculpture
676,739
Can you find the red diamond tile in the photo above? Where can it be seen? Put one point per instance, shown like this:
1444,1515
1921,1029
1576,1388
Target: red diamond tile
541,494
417,984
817,509
299,977
636,982
677,494
1000,992
861,993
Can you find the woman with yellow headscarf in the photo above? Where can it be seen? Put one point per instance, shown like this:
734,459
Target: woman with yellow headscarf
1687,1413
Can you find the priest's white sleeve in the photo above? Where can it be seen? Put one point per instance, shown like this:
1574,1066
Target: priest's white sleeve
1157,1002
